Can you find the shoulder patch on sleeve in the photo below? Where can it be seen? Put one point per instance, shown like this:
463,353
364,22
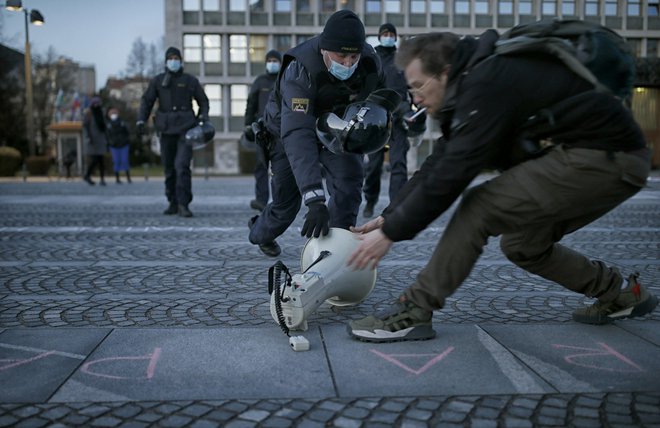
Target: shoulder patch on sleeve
300,105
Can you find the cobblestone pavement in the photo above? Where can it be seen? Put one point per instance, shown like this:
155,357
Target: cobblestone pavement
76,256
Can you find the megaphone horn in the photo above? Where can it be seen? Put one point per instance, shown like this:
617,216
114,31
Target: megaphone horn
324,277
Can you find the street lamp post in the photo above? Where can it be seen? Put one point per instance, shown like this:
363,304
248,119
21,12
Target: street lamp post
37,19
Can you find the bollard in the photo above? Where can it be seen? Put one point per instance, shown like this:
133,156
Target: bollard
146,171
24,171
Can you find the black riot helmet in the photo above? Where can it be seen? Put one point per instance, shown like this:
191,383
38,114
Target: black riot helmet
365,127
200,135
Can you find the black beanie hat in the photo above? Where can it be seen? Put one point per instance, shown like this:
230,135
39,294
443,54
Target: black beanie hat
274,54
387,27
343,32
172,51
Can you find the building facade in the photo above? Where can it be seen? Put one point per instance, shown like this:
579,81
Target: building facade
224,43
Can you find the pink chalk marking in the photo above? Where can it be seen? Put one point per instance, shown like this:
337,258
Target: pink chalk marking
26,361
393,358
594,352
151,368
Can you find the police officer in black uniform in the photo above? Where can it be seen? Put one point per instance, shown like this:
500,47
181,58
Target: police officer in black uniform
324,74
175,91
256,103
398,144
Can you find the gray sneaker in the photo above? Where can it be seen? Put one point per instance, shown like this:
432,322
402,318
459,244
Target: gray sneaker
402,320
633,301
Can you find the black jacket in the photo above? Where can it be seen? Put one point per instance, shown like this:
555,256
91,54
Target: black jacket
488,100
394,79
174,92
258,97
304,90
118,135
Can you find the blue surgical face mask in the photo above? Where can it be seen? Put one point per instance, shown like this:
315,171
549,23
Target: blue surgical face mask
387,42
173,65
272,67
340,71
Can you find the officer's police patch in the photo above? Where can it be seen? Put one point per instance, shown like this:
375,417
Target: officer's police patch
300,104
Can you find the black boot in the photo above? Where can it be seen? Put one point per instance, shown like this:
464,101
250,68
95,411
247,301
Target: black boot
172,209
117,178
89,180
128,176
184,211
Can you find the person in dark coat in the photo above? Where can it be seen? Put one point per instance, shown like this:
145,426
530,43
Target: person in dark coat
96,140
256,103
398,143
324,74
594,157
174,91
119,141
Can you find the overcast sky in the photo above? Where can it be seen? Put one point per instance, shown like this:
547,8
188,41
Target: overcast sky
91,32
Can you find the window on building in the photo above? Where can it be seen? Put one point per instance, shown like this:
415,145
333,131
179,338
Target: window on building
192,47
282,5
505,7
302,6
611,8
525,7
462,7
373,6
214,94
190,5
591,7
238,99
635,46
257,6
237,5
303,38
437,6
652,9
393,6
238,48
328,6
212,5
568,7
481,7
282,43
634,8
417,6
652,48
212,52
549,7
257,48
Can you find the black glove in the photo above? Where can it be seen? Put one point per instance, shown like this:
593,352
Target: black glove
140,128
249,133
416,126
316,220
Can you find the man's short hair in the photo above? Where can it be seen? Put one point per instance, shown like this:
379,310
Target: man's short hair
434,50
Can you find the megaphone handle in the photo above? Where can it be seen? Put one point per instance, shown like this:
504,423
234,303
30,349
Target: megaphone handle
275,285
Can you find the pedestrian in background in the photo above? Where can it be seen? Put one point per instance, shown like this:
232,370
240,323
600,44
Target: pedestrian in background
323,74
119,141
598,160
95,139
256,103
398,143
174,91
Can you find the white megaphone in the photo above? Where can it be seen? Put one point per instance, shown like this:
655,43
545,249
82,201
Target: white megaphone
324,277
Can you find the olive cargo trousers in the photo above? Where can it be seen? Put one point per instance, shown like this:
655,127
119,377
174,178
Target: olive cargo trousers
532,206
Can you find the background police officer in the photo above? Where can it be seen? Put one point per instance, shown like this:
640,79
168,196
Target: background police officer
398,144
175,91
256,103
324,74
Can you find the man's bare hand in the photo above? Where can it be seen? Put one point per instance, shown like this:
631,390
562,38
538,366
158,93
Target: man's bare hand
374,224
372,249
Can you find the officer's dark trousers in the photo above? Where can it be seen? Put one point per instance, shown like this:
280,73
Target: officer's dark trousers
343,177
532,206
398,167
261,184
176,156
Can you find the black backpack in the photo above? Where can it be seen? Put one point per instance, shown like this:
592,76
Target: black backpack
594,52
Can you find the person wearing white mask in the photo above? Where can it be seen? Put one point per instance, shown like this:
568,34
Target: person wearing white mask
254,110
175,91
119,142
323,74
